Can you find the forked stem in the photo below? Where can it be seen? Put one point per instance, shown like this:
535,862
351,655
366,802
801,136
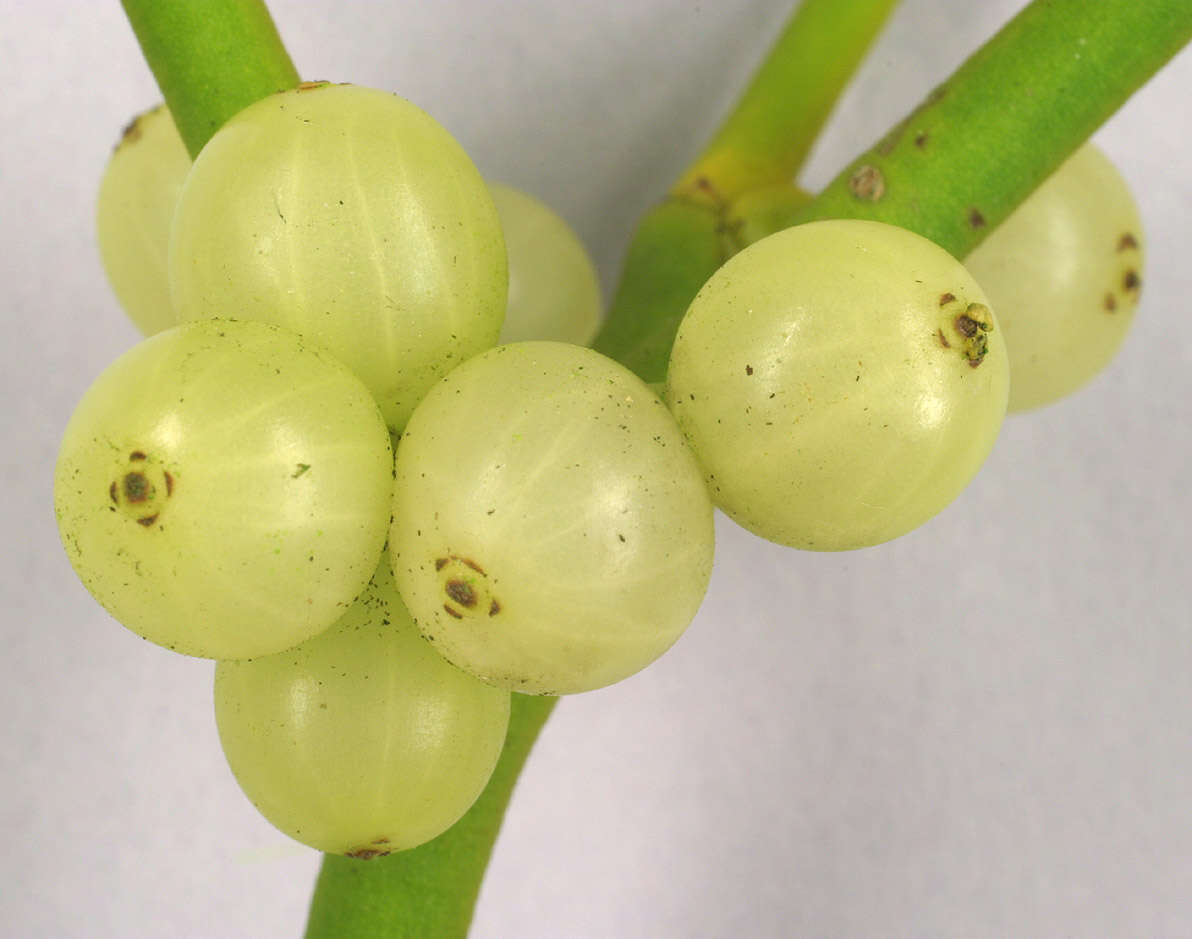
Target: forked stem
1063,65
955,167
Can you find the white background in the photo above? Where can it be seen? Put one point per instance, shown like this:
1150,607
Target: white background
980,730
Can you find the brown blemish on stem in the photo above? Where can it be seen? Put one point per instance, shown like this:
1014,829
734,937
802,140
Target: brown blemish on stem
976,219
921,139
867,183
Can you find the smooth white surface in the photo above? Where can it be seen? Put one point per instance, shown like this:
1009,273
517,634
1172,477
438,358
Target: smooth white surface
979,730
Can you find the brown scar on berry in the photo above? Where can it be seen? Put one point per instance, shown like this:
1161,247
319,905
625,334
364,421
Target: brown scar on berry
1126,242
976,219
461,592
943,339
136,487
867,183
169,477
147,520
494,608
1131,281
1110,302
946,298
450,612
440,563
367,853
112,492
966,325
312,85
476,567
137,455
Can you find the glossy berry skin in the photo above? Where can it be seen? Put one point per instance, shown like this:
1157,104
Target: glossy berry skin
134,211
222,489
350,216
840,383
1064,272
551,531
362,741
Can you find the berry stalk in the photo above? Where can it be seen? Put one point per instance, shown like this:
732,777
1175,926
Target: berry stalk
210,59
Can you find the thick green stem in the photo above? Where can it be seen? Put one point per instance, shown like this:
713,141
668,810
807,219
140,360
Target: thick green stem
431,890
778,118
984,139
210,59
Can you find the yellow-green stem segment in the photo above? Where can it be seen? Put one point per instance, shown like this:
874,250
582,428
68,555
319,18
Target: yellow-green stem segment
769,133
211,59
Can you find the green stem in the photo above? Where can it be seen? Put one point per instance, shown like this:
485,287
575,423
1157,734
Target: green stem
210,59
778,118
431,890
984,139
